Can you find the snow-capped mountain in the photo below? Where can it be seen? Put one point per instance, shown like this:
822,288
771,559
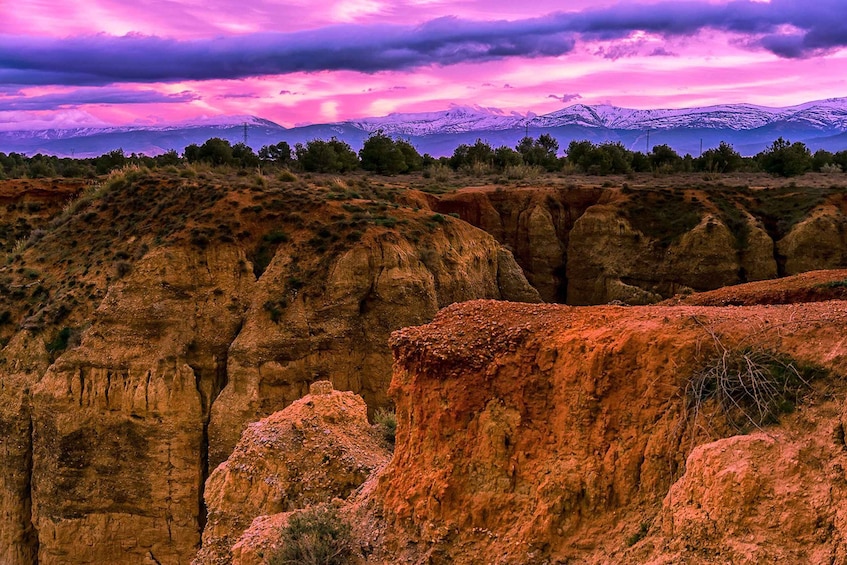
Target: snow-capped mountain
823,114
750,128
455,120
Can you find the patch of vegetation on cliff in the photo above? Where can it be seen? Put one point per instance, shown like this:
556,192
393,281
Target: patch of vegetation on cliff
663,215
734,218
746,386
316,536
62,267
782,207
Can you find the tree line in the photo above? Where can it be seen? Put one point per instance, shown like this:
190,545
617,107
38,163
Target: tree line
385,155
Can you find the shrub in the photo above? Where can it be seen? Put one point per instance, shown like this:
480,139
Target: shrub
315,536
748,386
386,420
522,172
61,341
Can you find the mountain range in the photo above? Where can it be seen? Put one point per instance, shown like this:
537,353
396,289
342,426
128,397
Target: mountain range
749,128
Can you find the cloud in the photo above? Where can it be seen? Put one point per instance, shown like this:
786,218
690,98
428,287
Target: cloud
230,95
787,28
565,98
86,96
103,59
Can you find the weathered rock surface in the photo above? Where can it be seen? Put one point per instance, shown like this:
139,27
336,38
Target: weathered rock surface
552,433
319,448
18,538
143,362
610,260
534,223
384,283
580,245
119,422
817,242
153,319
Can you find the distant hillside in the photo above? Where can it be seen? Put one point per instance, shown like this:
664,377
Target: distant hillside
820,124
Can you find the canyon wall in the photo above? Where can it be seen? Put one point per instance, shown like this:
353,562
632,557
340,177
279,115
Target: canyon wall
148,322
587,246
553,434
136,364
556,434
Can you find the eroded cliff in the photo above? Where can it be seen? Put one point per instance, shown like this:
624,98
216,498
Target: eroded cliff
551,434
585,244
159,313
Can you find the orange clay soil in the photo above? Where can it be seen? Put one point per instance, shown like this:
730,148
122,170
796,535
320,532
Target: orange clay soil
541,433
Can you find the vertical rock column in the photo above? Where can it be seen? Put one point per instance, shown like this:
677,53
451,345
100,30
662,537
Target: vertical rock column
23,362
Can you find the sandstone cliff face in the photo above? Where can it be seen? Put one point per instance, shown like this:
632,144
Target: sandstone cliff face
817,242
553,433
319,448
610,260
534,223
110,426
582,246
341,333
119,422
21,371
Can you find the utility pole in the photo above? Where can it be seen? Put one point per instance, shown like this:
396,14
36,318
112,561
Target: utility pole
648,141
245,133
701,147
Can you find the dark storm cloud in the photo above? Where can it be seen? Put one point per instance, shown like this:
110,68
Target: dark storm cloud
85,96
134,58
812,27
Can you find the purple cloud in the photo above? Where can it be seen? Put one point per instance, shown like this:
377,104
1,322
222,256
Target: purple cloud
100,59
84,96
565,98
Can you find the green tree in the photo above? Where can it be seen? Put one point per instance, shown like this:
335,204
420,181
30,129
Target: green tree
243,156
381,154
723,159
414,160
110,161
216,151
191,153
506,157
664,158
279,153
540,152
785,159
331,156
821,158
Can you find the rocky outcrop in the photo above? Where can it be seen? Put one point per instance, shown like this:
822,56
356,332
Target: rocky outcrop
610,260
341,333
545,433
817,242
119,439
18,537
534,223
319,448
770,496
586,246
135,367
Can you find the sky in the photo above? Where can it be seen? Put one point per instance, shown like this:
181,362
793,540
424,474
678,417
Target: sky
75,63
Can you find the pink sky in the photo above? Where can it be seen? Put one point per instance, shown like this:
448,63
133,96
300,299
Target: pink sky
98,62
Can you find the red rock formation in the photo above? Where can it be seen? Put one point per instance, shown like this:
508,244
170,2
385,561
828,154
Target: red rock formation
319,448
531,433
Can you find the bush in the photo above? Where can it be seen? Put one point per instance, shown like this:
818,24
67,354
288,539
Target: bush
387,422
748,386
315,536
